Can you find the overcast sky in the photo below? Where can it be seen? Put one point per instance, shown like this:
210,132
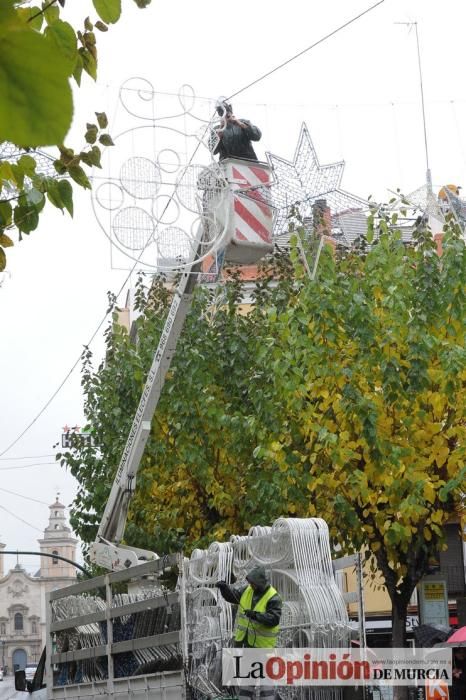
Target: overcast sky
358,93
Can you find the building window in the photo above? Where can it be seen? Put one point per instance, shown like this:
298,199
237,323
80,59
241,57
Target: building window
34,627
57,526
18,622
56,513
2,628
55,560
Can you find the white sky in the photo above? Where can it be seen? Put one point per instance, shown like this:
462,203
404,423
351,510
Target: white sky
359,95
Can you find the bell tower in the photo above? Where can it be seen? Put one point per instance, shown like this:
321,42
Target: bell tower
58,540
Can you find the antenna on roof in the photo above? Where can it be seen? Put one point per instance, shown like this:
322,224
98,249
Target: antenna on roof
421,86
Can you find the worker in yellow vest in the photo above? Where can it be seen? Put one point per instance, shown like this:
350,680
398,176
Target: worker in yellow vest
257,622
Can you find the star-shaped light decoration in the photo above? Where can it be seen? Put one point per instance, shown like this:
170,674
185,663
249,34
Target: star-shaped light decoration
431,207
424,200
303,181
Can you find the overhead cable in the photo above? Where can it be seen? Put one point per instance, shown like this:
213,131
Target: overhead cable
301,53
20,519
26,466
10,459
243,89
28,498
70,372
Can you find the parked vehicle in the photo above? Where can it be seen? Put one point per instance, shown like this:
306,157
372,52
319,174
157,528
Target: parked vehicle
102,641
30,671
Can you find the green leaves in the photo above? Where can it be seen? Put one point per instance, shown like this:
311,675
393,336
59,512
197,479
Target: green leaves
39,53
33,189
79,176
26,164
63,37
33,16
306,406
26,215
51,12
102,119
88,62
109,11
91,133
5,240
7,13
106,140
36,105
5,214
60,194
93,157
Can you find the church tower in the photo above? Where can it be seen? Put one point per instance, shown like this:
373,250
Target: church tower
58,540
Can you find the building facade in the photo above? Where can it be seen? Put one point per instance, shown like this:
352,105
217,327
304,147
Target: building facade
449,567
22,596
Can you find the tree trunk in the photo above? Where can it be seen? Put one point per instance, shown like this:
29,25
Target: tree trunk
399,612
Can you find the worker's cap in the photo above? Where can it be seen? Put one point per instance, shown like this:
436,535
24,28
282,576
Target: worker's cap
258,576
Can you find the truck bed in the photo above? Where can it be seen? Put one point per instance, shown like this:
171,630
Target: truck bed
119,635
168,685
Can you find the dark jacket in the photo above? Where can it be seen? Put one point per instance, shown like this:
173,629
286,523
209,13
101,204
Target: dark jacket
459,665
236,142
258,576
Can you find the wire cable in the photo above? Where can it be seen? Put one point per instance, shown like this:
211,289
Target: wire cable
63,382
312,46
26,466
57,390
28,498
20,519
243,89
70,372
10,459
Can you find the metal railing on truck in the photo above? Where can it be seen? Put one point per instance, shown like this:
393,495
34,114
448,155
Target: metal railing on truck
98,632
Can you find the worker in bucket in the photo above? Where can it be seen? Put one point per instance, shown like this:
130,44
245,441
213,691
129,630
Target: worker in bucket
257,622
234,136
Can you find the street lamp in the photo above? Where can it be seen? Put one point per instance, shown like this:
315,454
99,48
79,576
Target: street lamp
3,653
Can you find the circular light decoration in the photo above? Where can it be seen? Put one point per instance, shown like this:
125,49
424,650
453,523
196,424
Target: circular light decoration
140,177
133,227
166,210
169,160
109,195
174,244
189,187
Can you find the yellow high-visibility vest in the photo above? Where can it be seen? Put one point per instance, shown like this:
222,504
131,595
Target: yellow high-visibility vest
258,635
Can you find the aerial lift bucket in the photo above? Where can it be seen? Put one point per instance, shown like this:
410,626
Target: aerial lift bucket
250,214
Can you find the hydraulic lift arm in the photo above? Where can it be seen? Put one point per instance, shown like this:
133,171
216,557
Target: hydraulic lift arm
107,551
244,222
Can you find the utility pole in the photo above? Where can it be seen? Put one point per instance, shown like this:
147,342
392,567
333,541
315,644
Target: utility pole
423,107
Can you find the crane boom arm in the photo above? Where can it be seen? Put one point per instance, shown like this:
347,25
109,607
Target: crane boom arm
244,236
106,550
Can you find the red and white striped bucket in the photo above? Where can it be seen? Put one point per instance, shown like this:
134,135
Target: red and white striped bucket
250,216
